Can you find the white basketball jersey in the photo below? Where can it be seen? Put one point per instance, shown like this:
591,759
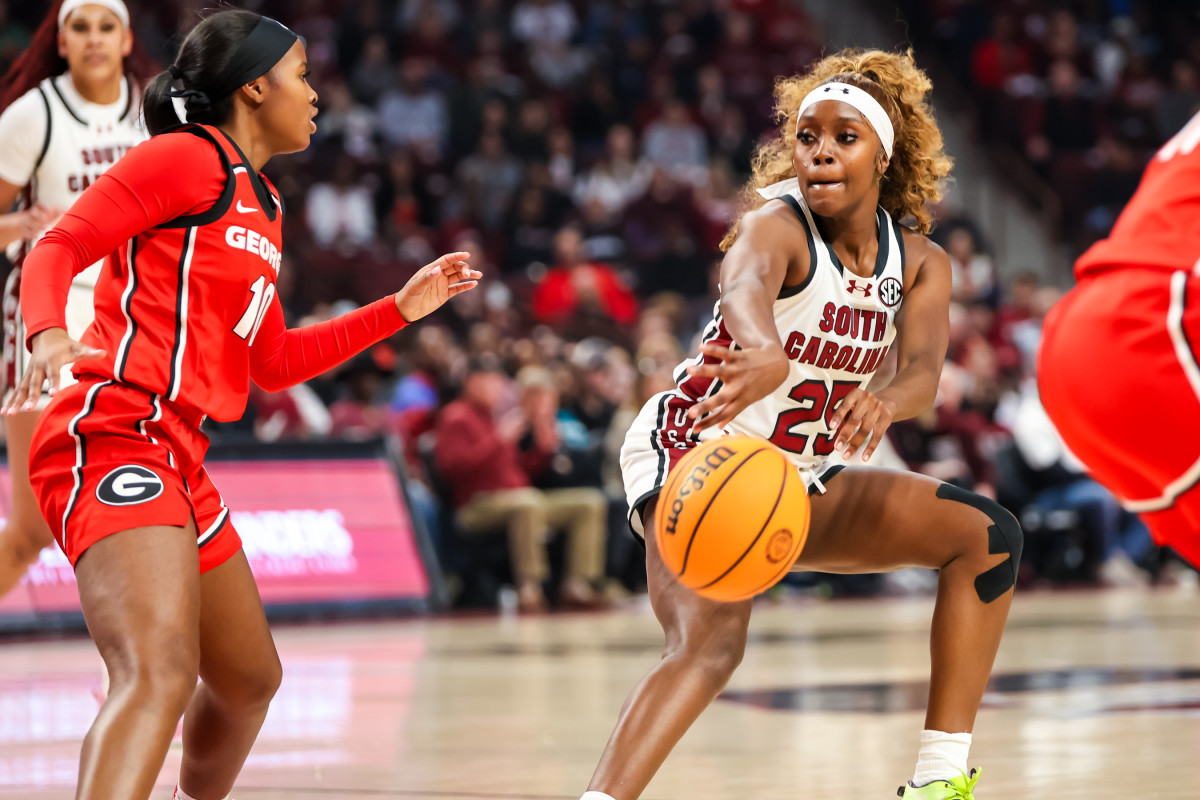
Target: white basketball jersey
82,141
836,328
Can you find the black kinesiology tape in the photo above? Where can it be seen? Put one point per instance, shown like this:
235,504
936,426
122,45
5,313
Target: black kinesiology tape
1004,536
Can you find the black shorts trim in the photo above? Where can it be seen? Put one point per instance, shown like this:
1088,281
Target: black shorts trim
825,477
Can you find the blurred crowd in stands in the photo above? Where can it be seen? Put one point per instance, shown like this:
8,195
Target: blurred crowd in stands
1082,92
588,154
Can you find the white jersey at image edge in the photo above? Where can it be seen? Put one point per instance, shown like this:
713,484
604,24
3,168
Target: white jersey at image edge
54,143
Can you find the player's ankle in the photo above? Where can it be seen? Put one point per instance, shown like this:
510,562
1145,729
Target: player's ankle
942,756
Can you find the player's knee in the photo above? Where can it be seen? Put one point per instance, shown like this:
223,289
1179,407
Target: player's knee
717,650
251,687
164,680
1004,537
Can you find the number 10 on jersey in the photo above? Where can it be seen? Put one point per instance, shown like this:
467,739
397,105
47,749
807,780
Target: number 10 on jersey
261,295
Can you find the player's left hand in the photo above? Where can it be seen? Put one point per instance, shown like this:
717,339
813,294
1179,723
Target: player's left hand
860,417
436,283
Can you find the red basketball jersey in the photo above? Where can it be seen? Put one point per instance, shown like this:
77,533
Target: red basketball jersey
1160,227
185,304
166,308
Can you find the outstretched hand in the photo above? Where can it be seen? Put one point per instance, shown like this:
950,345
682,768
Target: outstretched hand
746,376
436,283
53,349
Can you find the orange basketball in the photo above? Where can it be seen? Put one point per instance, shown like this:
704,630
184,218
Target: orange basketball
732,518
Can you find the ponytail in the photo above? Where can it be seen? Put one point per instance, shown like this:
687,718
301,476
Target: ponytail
158,109
203,57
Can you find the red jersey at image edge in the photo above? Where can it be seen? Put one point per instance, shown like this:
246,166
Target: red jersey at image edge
1160,226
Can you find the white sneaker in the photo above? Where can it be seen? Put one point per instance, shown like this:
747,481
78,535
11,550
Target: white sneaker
1120,572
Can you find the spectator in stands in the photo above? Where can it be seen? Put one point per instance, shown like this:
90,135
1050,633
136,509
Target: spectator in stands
489,178
619,177
401,203
1065,124
341,210
372,75
661,229
490,477
411,114
577,294
1001,57
527,140
1115,539
346,120
542,23
361,413
949,442
674,142
1181,101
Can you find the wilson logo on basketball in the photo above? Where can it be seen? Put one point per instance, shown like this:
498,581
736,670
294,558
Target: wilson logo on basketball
890,292
694,482
779,546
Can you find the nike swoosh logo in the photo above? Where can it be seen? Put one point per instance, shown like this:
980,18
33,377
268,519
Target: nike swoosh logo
244,209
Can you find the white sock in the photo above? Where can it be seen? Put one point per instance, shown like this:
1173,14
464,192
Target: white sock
180,794
942,756
597,796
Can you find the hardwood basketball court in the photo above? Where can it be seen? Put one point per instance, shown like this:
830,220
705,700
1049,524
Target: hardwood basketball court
1094,695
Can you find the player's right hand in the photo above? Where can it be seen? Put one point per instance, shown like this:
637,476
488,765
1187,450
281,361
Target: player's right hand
53,349
746,376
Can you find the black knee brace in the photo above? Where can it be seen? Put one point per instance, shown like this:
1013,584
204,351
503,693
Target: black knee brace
1004,536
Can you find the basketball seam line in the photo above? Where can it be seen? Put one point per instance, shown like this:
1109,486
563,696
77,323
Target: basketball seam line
713,499
782,485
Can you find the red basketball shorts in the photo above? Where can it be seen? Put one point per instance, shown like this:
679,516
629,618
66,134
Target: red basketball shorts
1120,377
107,457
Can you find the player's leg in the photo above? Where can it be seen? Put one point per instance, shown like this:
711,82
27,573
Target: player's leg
240,673
140,593
878,520
25,532
705,641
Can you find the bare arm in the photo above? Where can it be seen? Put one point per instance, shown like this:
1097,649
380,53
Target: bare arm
923,334
27,223
752,276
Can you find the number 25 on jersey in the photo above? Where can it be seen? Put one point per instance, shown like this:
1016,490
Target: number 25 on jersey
816,401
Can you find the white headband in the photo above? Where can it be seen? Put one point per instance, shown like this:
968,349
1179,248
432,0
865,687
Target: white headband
115,6
852,95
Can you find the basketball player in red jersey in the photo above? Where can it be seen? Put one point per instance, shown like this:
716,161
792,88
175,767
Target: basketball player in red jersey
68,110
1125,340
818,281
186,317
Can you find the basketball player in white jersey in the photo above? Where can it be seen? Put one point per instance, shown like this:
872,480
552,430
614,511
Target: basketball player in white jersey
71,107
819,281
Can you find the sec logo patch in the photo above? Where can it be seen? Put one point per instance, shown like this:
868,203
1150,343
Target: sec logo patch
890,292
128,486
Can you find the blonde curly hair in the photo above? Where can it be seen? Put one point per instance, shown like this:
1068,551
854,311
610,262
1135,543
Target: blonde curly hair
918,166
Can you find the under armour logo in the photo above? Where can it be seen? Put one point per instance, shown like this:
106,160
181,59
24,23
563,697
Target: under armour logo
853,287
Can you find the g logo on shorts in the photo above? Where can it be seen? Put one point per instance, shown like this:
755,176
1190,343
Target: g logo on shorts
128,486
